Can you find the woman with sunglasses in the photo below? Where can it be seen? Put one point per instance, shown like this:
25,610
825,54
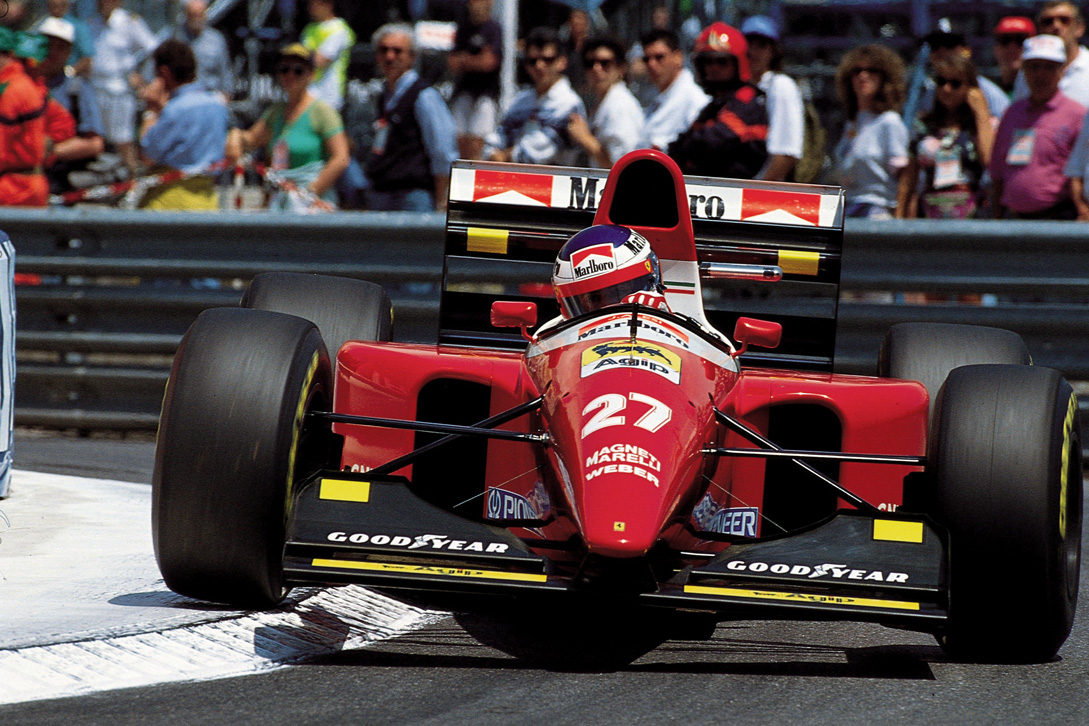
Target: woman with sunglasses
303,136
951,146
873,153
617,121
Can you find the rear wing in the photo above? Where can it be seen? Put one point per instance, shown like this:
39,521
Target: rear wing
506,223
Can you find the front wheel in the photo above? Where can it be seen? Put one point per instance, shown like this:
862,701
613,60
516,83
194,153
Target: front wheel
233,440
1005,455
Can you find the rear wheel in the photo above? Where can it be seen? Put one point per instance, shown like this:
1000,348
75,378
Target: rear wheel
342,308
233,440
1006,457
927,352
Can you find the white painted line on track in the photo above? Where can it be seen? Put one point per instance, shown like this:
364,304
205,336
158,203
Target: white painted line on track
83,608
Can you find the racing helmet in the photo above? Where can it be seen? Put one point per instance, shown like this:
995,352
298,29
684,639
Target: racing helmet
606,265
718,38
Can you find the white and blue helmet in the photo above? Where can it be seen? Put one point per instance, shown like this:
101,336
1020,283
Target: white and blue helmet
601,266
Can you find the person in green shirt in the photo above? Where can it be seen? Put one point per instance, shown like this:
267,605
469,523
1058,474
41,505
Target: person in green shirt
303,136
330,39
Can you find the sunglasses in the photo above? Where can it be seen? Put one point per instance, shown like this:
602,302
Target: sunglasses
546,59
1009,39
296,70
954,83
872,71
605,63
1060,19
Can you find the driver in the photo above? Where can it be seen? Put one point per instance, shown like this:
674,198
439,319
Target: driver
607,265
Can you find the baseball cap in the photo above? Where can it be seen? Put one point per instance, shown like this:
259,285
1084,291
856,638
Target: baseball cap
58,28
1015,25
1044,47
760,25
298,50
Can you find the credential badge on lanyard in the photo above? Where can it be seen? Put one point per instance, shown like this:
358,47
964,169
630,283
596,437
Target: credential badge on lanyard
381,136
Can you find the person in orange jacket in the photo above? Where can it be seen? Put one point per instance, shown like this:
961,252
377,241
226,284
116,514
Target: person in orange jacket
22,131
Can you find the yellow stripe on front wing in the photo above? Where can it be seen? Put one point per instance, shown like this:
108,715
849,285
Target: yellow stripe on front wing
801,597
430,570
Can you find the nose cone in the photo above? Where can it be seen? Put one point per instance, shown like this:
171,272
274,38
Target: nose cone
624,531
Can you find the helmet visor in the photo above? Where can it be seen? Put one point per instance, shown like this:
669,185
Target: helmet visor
613,295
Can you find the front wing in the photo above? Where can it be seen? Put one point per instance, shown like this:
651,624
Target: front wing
370,530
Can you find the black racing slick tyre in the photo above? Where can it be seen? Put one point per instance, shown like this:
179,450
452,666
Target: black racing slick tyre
1005,455
927,352
342,308
233,440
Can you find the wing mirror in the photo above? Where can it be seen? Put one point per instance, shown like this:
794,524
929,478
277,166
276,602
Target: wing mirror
507,314
761,333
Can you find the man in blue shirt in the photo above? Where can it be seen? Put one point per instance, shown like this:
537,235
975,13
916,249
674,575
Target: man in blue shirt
184,130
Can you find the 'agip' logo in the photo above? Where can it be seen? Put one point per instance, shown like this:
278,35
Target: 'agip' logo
625,355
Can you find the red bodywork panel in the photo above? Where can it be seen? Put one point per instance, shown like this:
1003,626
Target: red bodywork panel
625,469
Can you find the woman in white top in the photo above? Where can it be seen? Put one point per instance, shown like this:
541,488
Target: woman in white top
873,152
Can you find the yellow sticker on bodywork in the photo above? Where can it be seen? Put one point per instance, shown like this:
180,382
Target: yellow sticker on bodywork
491,241
891,530
343,490
795,262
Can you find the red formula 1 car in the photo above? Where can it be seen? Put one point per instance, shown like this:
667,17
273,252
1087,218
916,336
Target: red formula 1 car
629,456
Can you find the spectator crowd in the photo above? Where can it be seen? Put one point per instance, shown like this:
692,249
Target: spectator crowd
716,100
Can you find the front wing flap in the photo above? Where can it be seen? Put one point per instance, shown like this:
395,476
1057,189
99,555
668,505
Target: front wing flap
853,566
346,527
371,530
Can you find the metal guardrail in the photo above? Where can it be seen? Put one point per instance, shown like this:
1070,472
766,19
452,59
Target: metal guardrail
119,289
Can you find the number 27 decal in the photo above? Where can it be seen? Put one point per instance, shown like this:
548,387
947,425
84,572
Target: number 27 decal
610,412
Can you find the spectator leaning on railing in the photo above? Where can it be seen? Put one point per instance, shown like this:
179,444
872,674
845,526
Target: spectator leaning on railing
303,136
184,129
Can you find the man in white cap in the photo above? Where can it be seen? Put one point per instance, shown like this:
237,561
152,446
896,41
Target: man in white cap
73,120
1063,19
1035,139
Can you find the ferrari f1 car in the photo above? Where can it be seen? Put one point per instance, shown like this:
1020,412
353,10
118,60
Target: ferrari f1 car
629,455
